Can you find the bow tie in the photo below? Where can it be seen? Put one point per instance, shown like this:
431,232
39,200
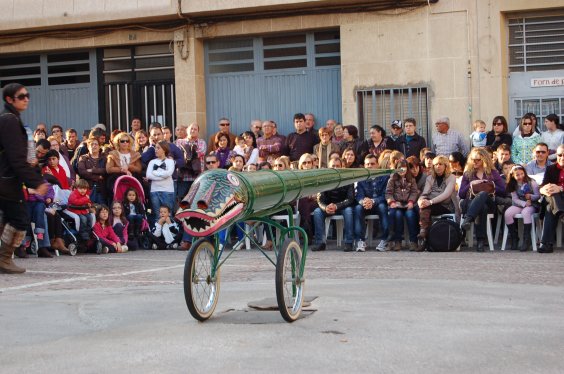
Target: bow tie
161,166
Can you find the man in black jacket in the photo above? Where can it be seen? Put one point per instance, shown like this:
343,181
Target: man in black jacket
17,152
553,189
410,143
337,201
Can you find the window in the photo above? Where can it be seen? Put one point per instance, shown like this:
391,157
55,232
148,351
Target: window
21,69
382,106
145,62
536,43
541,107
327,48
285,52
230,56
276,52
68,68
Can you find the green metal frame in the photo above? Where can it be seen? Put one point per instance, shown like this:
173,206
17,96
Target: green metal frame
291,232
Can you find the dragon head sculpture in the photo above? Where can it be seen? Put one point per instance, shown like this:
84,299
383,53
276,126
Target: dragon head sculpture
216,199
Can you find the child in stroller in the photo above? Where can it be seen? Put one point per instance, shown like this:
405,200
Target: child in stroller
80,205
130,192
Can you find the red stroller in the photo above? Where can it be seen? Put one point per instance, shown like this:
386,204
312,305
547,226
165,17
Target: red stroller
121,185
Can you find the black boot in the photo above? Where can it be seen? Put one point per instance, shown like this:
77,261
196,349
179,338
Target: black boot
526,237
513,231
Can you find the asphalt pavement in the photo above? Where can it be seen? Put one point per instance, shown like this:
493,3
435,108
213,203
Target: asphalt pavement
372,312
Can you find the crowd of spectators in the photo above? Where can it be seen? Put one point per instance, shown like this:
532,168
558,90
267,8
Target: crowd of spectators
433,178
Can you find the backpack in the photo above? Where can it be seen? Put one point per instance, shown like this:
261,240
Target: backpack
192,162
445,235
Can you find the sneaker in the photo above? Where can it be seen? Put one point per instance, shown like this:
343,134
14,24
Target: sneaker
102,250
238,246
174,245
382,246
124,249
348,247
155,246
360,246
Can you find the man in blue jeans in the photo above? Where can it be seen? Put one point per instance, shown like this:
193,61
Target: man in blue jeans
337,201
371,199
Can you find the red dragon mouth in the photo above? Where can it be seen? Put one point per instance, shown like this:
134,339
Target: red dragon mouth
197,222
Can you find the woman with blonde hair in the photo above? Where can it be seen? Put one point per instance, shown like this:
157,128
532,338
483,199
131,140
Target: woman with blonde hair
282,163
305,162
480,183
122,160
438,197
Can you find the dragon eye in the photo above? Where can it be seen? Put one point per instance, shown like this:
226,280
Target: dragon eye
184,204
202,205
233,179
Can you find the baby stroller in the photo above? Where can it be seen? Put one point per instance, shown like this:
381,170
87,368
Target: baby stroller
121,185
69,220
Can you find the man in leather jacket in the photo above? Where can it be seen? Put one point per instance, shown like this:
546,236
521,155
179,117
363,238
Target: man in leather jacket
17,152
337,201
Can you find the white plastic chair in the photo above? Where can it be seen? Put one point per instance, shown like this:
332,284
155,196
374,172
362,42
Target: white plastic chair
489,233
286,218
370,227
340,224
535,229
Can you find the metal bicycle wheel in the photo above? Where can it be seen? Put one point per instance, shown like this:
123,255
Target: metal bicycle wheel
289,284
201,289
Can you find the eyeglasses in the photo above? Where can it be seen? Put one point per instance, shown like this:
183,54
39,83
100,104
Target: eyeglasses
224,124
22,96
124,141
541,152
210,162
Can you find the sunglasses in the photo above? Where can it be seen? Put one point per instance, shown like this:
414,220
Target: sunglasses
224,124
279,165
23,96
498,124
124,141
210,162
560,154
307,162
541,152
527,124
